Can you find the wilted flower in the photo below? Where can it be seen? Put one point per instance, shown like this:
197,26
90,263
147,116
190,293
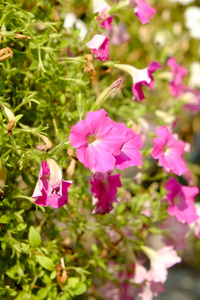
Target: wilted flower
169,151
50,188
143,76
99,46
181,199
143,10
104,189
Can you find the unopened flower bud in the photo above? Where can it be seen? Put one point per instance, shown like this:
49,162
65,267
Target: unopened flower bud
11,119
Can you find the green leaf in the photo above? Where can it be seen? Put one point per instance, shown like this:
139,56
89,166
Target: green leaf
5,219
80,288
45,262
34,237
72,281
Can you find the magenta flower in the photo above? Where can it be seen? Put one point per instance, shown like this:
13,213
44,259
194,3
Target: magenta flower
143,10
99,46
50,188
129,155
169,151
96,139
104,188
160,261
143,76
104,18
181,199
174,233
178,72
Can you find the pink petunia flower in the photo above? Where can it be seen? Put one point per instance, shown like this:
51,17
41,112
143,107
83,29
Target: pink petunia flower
129,155
104,189
50,188
151,290
174,233
197,222
96,139
178,72
160,261
192,99
99,46
169,151
118,34
143,10
143,76
181,199
104,18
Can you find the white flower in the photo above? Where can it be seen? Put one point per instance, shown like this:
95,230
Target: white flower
183,2
192,21
194,80
71,21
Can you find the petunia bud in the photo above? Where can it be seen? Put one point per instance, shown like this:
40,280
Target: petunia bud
11,119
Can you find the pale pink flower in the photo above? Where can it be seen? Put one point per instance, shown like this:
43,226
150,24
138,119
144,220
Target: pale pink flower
118,34
129,155
197,222
143,10
140,77
169,151
104,189
160,261
140,274
178,72
50,188
174,233
104,18
99,46
96,139
151,290
181,199
192,99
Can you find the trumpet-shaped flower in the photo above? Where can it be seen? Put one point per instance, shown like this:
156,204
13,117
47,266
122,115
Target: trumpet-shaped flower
169,151
181,199
160,261
104,18
99,46
96,139
50,188
143,10
104,189
129,155
143,76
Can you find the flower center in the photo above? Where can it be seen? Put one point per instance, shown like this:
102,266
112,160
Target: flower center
166,150
91,138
